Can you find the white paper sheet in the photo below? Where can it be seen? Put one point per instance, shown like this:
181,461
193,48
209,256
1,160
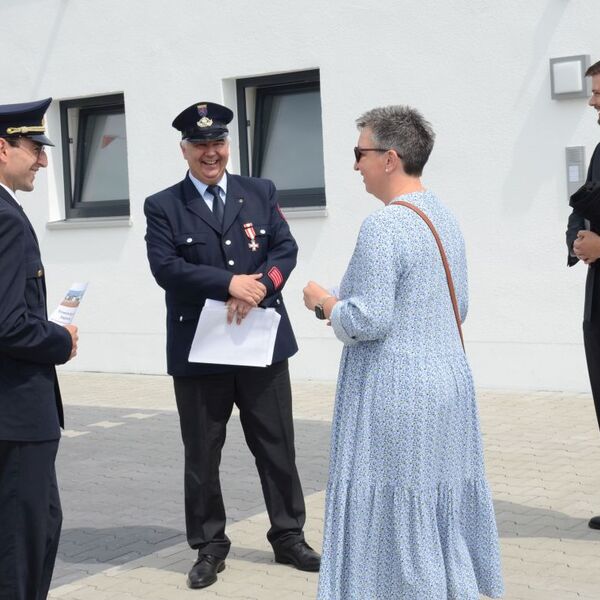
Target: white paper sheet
66,310
249,344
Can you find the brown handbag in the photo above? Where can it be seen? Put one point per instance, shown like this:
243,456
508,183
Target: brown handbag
444,261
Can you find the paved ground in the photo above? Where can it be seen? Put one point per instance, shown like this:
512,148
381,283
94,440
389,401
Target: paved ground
120,471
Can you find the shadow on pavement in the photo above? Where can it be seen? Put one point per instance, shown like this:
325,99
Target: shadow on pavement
256,556
115,545
520,520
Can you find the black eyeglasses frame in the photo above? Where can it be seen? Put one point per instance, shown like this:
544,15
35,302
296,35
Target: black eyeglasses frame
358,151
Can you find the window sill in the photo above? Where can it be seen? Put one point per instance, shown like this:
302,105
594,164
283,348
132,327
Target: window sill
304,212
90,223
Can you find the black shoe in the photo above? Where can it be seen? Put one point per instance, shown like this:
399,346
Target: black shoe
301,555
204,572
594,523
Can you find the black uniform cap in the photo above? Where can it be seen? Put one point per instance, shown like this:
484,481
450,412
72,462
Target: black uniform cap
25,120
203,121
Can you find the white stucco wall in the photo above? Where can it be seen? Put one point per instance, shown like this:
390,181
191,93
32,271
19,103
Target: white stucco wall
477,70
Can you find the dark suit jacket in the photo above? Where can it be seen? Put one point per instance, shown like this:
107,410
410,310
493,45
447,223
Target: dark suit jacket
30,345
192,260
577,223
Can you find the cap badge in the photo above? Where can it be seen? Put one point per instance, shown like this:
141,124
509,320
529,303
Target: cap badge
202,113
204,122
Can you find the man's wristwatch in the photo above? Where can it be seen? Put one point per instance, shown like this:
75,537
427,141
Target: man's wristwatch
319,312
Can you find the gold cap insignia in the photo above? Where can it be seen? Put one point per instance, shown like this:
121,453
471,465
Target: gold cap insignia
204,122
25,129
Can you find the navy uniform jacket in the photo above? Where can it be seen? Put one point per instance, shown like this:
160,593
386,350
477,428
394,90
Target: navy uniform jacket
30,345
577,223
192,260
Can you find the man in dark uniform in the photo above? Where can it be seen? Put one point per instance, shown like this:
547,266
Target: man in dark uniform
222,236
31,411
584,244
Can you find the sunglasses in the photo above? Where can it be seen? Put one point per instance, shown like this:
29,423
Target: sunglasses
358,152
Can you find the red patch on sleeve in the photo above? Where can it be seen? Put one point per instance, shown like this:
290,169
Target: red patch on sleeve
276,277
281,212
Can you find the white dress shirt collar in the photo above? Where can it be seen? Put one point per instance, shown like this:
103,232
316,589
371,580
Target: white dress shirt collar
201,186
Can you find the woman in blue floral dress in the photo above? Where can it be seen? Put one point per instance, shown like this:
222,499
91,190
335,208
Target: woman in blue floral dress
409,514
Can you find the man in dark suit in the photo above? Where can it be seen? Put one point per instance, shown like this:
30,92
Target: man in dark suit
583,241
31,411
221,236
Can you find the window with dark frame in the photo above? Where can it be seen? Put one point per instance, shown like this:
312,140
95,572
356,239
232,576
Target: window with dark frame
94,148
281,135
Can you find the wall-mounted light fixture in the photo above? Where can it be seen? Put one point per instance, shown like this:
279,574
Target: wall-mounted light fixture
567,77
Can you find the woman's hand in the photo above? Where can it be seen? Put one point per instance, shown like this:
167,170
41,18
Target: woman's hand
314,294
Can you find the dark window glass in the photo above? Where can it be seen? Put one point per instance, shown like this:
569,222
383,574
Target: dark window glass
95,157
281,135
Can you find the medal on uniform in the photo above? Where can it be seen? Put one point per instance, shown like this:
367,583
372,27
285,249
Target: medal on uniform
251,235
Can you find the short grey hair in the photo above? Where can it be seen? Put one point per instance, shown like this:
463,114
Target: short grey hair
183,143
403,129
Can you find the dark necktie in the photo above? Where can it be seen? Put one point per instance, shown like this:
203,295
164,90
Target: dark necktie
218,208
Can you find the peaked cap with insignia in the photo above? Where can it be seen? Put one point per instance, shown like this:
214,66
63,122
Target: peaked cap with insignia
25,120
203,121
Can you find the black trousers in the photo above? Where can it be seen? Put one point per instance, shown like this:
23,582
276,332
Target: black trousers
30,519
591,333
591,340
264,398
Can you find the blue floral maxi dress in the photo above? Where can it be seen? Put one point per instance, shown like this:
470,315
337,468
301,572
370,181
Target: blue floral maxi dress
409,515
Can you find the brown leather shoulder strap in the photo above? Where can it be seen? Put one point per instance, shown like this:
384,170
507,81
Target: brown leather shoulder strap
444,261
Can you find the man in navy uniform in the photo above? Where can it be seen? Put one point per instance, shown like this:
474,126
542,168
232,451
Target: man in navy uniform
584,244
31,411
222,236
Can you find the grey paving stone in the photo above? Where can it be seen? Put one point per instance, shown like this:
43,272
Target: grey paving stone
122,487
542,456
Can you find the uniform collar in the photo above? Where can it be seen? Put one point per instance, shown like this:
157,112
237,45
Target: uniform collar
14,197
201,186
